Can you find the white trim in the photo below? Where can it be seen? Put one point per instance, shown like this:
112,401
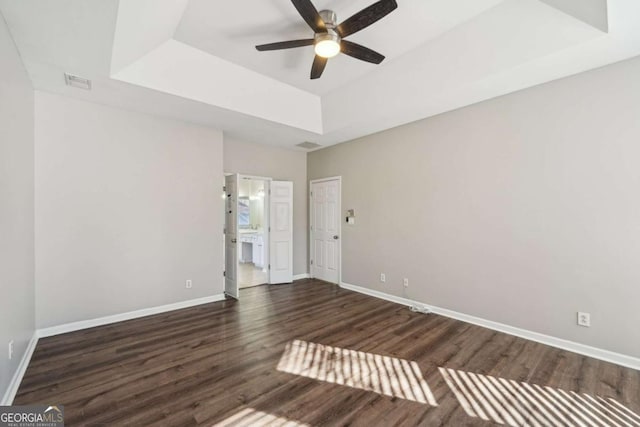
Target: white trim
85,324
253,177
330,178
585,350
311,251
378,294
300,276
266,237
12,389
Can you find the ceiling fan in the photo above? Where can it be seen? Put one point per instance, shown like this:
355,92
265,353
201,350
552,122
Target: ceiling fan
328,40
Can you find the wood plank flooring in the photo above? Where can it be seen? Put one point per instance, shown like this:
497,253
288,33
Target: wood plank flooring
314,354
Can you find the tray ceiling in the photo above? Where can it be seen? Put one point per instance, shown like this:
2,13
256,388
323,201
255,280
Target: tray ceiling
195,59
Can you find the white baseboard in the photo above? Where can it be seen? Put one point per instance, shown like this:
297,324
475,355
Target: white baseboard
12,389
300,276
596,353
85,324
378,294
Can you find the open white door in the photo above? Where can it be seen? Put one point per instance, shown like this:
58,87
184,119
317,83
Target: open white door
281,236
231,236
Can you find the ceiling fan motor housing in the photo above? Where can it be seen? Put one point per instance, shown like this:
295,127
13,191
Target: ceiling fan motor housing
330,18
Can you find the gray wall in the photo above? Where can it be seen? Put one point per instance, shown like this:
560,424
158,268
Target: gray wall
16,208
127,208
279,164
523,209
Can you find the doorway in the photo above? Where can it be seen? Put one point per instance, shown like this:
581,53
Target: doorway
325,221
253,235
258,232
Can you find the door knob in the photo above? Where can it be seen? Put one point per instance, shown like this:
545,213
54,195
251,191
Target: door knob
234,240
336,237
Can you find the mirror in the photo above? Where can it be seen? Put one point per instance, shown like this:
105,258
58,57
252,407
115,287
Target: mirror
244,212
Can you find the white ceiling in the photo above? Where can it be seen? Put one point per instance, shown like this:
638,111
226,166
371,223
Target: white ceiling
195,60
234,33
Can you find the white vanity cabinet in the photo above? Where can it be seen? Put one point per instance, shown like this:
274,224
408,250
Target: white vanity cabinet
245,247
252,247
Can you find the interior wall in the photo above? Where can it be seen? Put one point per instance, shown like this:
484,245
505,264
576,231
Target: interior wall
16,208
280,164
522,210
127,209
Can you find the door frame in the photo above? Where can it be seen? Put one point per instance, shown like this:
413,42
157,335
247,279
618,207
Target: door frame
266,239
267,235
311,251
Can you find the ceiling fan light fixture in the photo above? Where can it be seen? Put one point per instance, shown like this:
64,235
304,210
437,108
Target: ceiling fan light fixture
328,34
327,45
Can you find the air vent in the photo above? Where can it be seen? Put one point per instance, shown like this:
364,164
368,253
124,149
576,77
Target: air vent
308,145
76,81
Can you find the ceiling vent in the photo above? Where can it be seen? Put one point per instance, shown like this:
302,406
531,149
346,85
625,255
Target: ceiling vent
76,81
308,145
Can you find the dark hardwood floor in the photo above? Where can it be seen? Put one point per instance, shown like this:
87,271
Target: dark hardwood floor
312,353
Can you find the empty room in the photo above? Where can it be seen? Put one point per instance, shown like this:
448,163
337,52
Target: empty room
320,213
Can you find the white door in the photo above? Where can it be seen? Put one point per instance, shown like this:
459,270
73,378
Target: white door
231,236
281,236
325,230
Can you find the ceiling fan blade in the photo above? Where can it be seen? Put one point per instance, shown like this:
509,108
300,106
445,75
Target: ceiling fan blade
366,17
310,14
318,67
285,45
360,52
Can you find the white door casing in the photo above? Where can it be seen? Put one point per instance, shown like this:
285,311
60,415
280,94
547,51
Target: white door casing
231,236
260,245
281,235
325,229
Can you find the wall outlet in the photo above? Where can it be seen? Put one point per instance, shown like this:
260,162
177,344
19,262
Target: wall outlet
405,282
584,319
10,349
189,284
383,278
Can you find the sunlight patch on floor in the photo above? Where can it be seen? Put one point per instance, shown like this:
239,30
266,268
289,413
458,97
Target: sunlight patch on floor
253,417
385,375
522,404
